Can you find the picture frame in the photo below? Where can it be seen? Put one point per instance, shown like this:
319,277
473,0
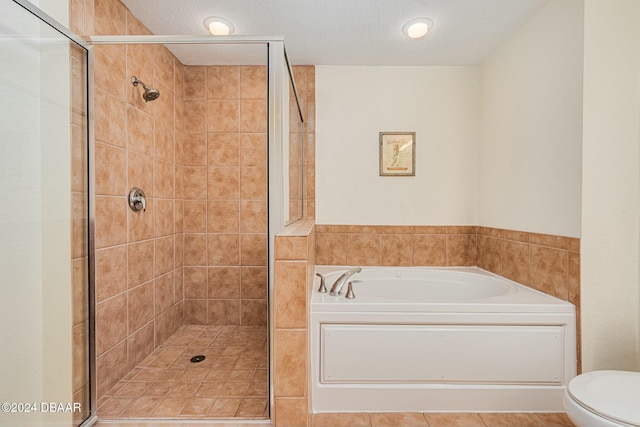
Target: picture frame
397,153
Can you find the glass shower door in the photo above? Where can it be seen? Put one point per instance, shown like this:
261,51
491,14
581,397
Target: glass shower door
44,222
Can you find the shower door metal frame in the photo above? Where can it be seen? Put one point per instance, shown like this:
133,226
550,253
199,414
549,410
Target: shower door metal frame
278,72
63,30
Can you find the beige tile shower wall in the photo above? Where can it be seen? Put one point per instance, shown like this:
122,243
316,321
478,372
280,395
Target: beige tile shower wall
222,152
548,263
223,168
138,254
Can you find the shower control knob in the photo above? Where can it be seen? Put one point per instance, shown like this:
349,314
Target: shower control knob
137,200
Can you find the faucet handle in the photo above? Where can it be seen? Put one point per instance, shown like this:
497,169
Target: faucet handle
137,200
350,294
323,288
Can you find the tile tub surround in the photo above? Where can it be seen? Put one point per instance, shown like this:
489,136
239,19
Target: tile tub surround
396,245
547,263
304,245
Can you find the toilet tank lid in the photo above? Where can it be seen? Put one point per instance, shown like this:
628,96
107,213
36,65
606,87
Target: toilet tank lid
613,394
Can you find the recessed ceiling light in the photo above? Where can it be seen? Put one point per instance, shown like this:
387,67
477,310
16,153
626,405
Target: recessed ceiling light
417,28
218,26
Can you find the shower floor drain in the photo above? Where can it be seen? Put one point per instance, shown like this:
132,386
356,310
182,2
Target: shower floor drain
198,359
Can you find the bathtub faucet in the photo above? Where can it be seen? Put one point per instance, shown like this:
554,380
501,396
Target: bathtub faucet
336,289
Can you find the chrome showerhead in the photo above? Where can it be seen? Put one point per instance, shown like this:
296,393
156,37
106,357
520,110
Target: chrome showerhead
149,93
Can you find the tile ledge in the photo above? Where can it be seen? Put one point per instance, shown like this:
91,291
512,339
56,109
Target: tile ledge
298,228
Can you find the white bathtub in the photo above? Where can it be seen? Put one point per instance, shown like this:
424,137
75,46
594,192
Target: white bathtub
439,339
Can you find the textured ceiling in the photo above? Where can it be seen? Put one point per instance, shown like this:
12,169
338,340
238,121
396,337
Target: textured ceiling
347,32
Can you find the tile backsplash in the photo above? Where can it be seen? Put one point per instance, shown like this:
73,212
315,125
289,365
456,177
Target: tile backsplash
396,245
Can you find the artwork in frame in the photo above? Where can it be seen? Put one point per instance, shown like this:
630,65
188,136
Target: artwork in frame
397,153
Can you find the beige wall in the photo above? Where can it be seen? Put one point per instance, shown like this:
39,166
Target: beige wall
354,104
611,185
497,146
531,120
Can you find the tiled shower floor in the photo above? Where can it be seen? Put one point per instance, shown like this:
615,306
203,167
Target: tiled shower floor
231,382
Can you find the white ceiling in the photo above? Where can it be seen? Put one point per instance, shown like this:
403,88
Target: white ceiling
348,32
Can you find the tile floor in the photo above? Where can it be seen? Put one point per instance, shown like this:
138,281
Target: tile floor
231,382
393,419
190,423
431,419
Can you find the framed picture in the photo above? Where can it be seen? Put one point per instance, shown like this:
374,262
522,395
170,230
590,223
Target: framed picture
397,153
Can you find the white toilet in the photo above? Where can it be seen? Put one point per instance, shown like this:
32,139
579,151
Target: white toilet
604,399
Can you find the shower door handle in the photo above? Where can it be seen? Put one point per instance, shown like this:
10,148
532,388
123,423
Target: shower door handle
137,200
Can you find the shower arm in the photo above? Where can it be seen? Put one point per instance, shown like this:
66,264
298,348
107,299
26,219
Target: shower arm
136,82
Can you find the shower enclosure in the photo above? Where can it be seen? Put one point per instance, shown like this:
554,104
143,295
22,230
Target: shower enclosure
206,153
213,142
